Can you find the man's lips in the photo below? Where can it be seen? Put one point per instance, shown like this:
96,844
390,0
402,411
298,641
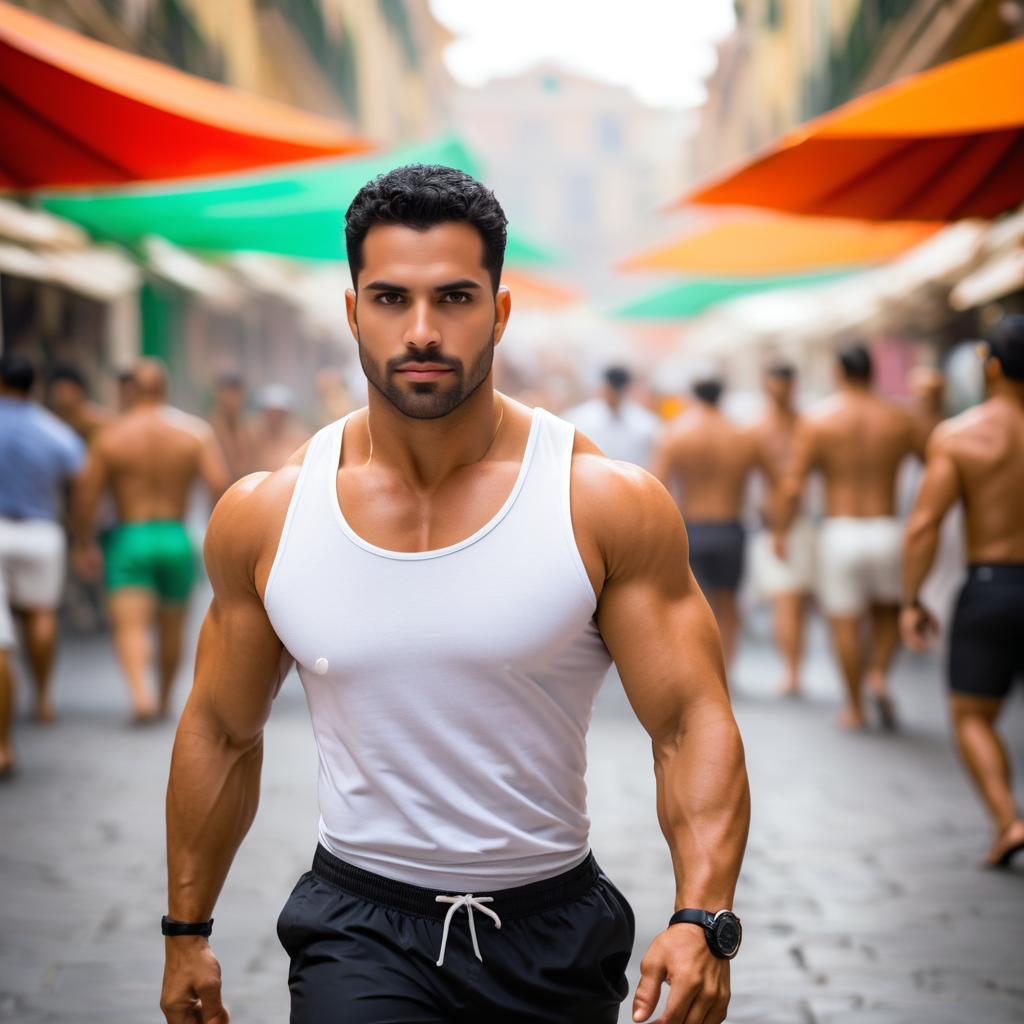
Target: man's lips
423,371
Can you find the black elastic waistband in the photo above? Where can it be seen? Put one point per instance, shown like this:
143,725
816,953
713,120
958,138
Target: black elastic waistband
996,572
519,901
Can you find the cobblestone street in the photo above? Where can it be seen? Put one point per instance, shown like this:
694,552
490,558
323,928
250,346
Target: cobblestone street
860,898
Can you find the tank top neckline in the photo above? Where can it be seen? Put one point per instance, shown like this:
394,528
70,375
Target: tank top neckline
411,556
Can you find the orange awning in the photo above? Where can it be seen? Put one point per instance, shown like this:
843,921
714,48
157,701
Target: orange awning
533,292
74,111
783,245
940,145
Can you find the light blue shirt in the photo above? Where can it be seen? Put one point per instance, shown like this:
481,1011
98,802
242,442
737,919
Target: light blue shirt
38,453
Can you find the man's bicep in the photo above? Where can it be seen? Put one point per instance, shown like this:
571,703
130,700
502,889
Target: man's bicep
940,487
656,623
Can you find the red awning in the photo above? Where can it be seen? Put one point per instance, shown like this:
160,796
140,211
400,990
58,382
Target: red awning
74,112
944,144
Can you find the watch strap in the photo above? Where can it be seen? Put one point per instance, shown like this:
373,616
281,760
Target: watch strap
690,916
169,926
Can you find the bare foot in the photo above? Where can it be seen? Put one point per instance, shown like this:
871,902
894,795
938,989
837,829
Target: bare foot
1008,844
145,713
851,720
789,688
45,713
6,764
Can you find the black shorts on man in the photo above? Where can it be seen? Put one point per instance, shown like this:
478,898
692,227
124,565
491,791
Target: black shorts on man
366,949
986,651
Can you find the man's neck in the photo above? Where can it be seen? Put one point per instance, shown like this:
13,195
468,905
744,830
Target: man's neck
1009,391
427,452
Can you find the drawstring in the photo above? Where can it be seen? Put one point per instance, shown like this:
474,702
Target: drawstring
469,901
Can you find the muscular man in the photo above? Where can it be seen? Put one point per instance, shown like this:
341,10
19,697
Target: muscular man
149,458
978,458
788,581
857,440
705,459
450,571
39,457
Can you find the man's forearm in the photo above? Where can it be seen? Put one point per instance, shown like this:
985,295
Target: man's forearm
212,797
919,548
704,808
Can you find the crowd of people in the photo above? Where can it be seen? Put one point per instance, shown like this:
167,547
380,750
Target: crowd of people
107,490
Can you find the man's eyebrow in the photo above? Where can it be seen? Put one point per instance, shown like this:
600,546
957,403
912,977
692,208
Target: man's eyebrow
463,284
385,286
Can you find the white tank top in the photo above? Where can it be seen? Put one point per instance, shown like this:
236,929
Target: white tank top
450,690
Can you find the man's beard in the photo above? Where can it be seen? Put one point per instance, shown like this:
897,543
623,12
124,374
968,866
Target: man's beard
428,400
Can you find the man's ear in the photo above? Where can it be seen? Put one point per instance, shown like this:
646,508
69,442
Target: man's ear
350,312
502,311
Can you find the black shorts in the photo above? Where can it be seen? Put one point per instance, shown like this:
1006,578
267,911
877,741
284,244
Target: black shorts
716,554
364,950
986,651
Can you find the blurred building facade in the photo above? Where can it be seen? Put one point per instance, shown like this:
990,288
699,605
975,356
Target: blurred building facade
790,60
374,64
579,162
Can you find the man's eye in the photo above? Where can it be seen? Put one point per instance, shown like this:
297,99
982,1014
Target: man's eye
458,298
389,298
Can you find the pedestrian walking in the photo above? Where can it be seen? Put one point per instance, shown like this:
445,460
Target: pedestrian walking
453,574
622,428
857,440
787,581
977,458
39,458
705,460
149,458
235,434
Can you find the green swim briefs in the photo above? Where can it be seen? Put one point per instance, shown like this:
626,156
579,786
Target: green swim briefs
155,556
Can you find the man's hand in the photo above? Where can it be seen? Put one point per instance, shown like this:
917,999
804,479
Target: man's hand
918,627
87,560
699,981
191,992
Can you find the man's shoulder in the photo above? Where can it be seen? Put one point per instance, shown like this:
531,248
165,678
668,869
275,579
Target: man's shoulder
950,435
612,497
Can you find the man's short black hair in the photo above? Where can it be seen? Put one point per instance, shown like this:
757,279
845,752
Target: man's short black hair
17,373
1006,343
855,362
708,389
781,369
421,196
617,378
229,379
72,374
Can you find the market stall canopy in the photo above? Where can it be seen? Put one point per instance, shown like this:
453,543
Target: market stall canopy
940,145
295,210
767,244
692,297
74,111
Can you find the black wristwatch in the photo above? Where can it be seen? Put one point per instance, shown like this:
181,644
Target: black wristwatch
723,930
168,926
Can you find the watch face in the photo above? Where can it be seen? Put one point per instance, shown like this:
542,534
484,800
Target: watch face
728,934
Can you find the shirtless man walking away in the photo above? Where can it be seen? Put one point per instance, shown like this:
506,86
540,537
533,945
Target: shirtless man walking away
978,458
788,581
149,457
453,574
705,459
857,440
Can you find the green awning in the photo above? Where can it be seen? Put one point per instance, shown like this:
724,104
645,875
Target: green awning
294,210
695,295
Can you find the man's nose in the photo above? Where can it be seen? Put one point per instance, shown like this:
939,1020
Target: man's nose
422,330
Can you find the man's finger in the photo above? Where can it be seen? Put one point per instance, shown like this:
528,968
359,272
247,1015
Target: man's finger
648,992
212,1008
681,997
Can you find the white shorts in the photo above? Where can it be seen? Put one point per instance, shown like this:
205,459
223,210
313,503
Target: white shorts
859,563
794,574
32,560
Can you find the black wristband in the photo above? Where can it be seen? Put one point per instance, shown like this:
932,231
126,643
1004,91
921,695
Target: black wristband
168,926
